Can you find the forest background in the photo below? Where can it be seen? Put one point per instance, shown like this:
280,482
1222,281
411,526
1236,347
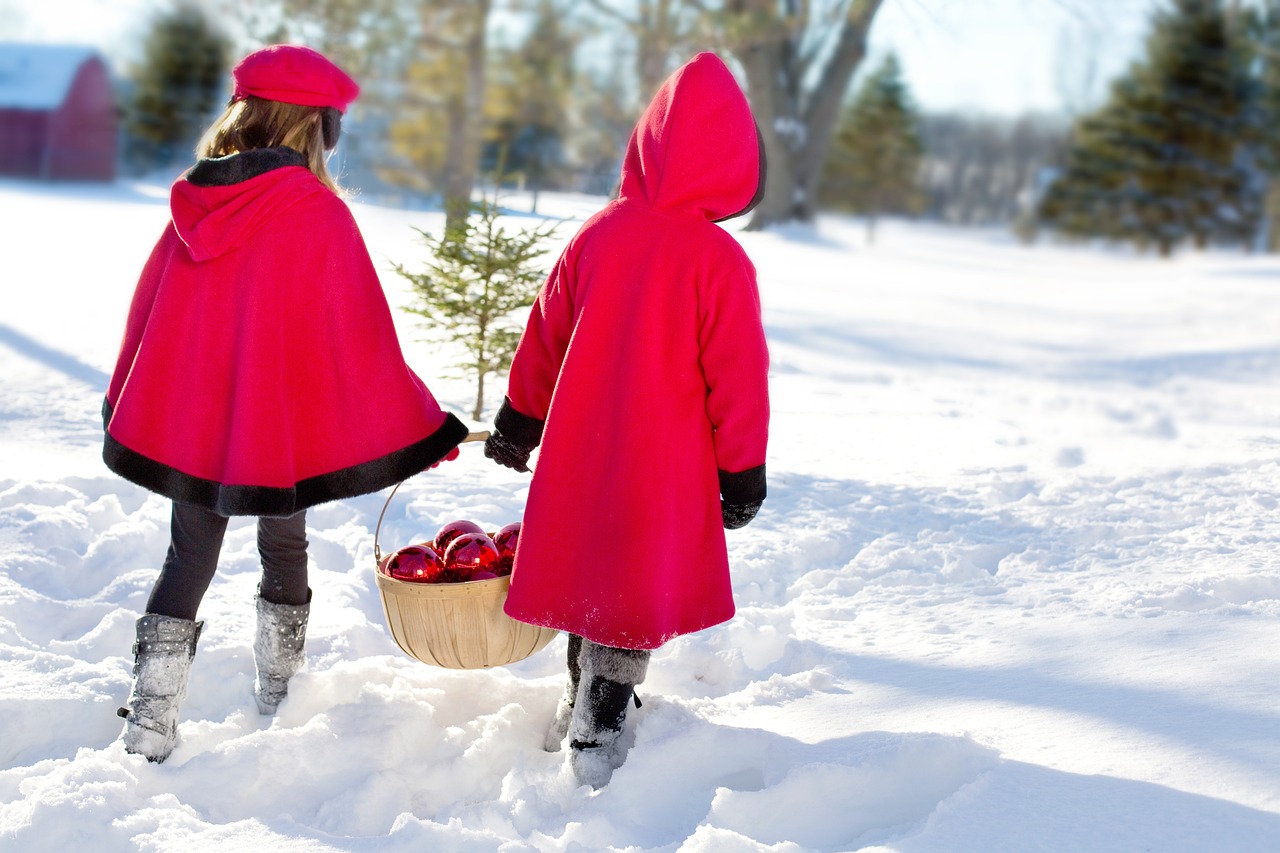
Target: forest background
551,89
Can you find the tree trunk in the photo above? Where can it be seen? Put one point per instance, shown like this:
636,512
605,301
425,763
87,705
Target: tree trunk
1271,212
796,122
655,37
466,114
478,411
773,89
655,25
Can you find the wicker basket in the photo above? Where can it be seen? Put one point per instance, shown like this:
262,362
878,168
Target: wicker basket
455,625
458,625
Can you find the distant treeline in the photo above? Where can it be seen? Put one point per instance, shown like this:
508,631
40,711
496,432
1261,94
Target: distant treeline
1183,150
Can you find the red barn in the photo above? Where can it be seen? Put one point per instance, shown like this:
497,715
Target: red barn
57,113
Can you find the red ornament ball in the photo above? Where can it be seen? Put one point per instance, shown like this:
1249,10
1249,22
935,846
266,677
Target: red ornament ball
415,563
483,576
470,553
453,530
507,538
506,541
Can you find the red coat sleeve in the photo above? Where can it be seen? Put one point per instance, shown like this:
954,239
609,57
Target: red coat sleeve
536,364
735,362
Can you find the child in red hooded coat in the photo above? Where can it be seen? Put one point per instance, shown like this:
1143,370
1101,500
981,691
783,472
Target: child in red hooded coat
259,375
643,377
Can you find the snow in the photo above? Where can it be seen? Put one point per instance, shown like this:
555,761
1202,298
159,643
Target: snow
1015,587
38,76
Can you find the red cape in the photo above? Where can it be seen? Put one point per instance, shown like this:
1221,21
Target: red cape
260,372
644,372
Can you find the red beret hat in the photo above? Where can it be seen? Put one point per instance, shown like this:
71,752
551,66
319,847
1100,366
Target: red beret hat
293,74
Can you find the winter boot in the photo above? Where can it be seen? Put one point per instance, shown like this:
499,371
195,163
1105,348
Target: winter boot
161,668
564,710
607,684
277,649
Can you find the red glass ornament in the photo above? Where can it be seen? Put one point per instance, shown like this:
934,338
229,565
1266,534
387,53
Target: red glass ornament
483,576
452,531
471,553
507,538
414,563
506,541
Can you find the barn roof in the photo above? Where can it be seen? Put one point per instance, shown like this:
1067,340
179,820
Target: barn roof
38,76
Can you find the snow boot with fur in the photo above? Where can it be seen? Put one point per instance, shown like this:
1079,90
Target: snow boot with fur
564,710
162,658
277,649
607,683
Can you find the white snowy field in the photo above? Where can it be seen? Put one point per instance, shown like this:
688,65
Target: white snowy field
1016,586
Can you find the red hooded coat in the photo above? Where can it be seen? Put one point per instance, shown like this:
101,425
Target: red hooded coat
643,372
260,373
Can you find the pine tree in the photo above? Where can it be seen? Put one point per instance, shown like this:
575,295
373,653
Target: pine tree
178,83
1160,163
874,164
478,277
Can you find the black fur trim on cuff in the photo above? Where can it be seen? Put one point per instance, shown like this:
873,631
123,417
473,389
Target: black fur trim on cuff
744,487
234,168
517,427
362,479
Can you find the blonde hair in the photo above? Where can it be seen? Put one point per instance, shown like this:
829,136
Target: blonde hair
258,123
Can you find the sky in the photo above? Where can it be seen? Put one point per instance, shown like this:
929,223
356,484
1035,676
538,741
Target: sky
1010,56
995,56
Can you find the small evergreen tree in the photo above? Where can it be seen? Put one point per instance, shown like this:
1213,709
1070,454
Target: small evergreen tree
874,164
178,83
1161,162
478,277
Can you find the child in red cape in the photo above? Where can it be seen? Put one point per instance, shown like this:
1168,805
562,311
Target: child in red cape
643,376
260,375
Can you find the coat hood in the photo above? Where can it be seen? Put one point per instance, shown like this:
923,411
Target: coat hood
696,148
224,201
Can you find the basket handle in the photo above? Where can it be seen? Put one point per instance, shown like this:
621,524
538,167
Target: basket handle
377,550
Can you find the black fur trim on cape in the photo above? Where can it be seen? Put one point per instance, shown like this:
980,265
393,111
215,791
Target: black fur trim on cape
227,500
744,487
517,427
234,168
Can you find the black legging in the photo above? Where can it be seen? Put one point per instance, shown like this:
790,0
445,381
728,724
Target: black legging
195,543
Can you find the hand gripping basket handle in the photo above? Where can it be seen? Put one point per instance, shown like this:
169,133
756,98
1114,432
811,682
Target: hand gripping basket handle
377,550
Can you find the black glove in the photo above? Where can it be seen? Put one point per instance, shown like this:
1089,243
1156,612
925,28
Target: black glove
741,494
505,452
738,515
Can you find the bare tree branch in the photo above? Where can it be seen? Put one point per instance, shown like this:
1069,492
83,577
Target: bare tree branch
616,14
